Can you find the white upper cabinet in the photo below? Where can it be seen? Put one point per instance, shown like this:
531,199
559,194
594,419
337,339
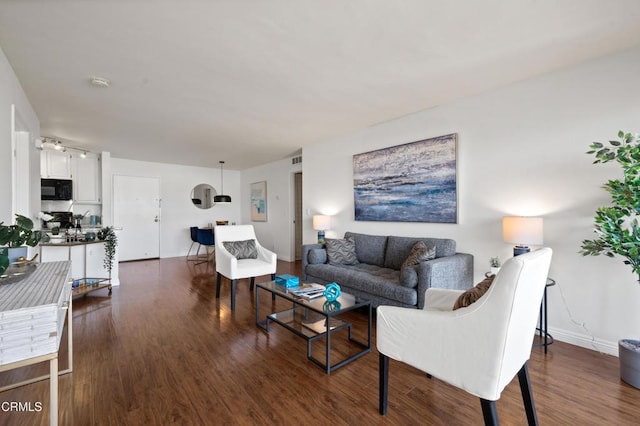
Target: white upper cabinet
86,178
55,164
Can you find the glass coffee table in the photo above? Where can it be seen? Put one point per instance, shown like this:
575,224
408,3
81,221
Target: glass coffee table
314,319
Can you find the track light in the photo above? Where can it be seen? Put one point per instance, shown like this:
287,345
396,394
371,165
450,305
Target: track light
57,145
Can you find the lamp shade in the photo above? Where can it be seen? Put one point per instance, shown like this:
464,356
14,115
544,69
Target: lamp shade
321,222
522,230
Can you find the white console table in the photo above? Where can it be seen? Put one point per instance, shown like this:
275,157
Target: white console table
32,316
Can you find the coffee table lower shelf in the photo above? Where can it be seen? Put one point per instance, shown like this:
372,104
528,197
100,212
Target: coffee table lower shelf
310,324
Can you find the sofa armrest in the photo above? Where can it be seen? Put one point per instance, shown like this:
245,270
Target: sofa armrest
452,272
306,248
441,299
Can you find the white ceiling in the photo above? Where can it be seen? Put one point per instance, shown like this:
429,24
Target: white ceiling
252,81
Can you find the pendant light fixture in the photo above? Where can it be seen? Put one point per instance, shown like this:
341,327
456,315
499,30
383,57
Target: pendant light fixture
222,198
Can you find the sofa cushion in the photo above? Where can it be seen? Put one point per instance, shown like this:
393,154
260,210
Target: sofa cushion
474,293
419,253
366,279
317,256
245,249
369,248
399,248
341,252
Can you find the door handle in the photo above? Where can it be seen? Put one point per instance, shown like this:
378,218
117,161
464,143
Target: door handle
156,219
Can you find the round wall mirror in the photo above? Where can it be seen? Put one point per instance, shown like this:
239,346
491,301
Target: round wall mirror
202,196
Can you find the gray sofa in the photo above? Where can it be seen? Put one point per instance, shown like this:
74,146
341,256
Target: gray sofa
378,276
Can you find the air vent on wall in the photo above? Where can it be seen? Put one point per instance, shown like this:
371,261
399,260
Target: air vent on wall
296,160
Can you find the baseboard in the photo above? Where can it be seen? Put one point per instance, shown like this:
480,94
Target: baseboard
585,341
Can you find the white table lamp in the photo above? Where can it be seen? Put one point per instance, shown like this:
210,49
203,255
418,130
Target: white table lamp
522,231
321,223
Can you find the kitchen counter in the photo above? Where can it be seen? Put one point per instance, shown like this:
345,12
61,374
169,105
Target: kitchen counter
62,242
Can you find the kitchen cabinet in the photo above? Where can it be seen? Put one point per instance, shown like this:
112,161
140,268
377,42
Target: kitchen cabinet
87,258
55,164
86,178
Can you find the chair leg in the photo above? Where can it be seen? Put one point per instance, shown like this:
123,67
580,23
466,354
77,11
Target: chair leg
489,412
384,383
527,395
218,282
233,294
253,283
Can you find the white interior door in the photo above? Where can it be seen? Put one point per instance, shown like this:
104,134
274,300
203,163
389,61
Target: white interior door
136,208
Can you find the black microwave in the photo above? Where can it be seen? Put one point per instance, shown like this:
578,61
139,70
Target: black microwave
56,189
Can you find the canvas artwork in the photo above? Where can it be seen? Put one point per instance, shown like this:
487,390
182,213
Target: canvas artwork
259,201
414,182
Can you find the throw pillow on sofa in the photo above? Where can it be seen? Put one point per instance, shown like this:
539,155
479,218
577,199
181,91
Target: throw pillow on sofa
317,256
242,249
473,294
341,252
409,277
419,253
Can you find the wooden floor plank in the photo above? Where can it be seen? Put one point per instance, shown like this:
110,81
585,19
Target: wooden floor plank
163,350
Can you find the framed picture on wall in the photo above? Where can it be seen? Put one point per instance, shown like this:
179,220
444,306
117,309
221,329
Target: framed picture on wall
414,182
259,201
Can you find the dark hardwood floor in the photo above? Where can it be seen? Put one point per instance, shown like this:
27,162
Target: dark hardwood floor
162,350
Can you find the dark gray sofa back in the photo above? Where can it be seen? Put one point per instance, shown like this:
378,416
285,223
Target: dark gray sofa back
369,248
398,249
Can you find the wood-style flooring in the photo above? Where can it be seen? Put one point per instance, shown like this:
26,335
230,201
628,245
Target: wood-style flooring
162,350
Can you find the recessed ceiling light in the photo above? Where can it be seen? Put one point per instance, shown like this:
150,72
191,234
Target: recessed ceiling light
100,81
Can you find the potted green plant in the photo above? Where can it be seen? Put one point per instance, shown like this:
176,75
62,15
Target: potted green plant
494,264
110,243
13,239
617,230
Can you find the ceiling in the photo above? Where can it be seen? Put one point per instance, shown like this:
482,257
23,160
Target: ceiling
252,81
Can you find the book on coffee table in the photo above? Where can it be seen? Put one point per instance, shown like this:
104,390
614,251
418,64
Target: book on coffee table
308,289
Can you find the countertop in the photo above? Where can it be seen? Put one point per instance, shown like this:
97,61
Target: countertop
57,242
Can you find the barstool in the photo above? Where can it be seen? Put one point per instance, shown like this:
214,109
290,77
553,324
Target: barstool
194,240
205,238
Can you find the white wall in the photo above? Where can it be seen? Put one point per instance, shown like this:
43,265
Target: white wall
11,92
521,151
178,212
277,233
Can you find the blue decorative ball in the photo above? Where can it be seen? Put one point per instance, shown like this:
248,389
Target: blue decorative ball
332,292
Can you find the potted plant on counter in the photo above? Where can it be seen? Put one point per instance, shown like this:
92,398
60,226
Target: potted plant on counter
110,243
617,230
15,238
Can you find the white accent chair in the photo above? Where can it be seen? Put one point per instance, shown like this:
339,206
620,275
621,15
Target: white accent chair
479,348
234,269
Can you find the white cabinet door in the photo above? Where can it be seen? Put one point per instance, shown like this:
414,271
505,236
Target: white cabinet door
86,178
56,165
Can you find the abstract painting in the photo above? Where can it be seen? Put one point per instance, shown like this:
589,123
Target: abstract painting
259,201
414,182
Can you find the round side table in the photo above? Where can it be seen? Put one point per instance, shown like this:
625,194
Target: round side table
546,339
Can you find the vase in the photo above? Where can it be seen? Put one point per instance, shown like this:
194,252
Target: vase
629,354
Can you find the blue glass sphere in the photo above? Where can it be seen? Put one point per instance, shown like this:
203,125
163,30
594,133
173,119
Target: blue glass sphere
332,292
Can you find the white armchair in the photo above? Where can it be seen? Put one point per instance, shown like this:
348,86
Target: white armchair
479,348
233,268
